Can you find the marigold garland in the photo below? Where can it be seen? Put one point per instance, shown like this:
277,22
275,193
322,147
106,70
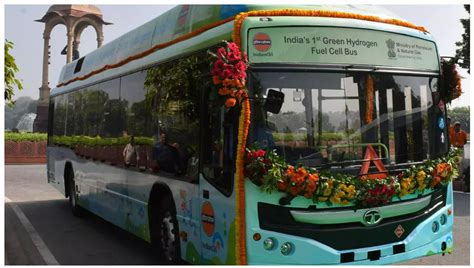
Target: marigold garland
315,13
244,123
268,169
369,106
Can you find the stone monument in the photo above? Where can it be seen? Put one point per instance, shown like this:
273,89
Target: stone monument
76,18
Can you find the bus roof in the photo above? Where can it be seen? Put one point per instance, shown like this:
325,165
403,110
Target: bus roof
175,23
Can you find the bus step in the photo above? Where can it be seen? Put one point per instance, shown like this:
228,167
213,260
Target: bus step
347,257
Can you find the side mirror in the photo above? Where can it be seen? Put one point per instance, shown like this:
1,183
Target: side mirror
274,101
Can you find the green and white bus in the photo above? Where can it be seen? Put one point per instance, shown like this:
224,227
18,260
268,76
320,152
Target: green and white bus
140,136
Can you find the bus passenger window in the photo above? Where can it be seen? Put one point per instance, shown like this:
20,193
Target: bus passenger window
175,120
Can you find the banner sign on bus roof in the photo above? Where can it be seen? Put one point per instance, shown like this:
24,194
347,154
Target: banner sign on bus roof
333,45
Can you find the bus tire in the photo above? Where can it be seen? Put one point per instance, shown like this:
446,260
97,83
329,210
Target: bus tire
75,208
167,233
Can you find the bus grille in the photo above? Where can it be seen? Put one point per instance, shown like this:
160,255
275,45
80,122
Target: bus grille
279,219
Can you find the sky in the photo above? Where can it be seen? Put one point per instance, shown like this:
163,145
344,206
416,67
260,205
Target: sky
441,20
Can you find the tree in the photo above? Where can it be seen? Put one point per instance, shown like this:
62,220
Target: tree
463,52
10,70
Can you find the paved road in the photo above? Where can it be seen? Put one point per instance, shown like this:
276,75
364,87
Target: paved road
90,240
72,240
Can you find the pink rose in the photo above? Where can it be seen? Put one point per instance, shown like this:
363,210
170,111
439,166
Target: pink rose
221,53
240,70
228,71
218,67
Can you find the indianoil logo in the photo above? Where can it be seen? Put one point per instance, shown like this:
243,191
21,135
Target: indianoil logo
207,218
262,42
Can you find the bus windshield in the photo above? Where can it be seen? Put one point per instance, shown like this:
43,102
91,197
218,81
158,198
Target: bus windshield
329,119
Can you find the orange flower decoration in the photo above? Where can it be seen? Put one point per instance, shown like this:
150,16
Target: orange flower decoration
282,185
435,181
290,171
228,82
239,83
224,91
230,102
216,80
313,177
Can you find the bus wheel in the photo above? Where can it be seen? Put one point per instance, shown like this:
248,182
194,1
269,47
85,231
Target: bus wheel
75,208
168,233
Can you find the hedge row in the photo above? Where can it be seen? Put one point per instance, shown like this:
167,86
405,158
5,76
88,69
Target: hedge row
99,141
25,136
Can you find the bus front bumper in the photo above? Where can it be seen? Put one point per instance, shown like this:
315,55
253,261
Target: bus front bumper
422,241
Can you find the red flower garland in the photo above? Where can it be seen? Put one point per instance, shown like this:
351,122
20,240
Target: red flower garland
229,73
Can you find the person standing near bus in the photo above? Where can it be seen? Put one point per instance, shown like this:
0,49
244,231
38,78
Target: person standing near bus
458,137
130,152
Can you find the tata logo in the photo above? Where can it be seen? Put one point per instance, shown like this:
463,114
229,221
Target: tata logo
372,217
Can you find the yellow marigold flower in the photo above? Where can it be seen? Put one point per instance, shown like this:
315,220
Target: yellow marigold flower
335,200
421,175
327,191
404,184
352,189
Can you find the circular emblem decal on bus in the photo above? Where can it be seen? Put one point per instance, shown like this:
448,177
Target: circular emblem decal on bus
441,123
262,42
372,217
207,218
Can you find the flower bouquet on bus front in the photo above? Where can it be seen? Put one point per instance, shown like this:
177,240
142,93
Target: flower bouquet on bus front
229,73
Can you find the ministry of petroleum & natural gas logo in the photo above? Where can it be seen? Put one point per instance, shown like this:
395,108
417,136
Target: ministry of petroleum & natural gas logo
391,48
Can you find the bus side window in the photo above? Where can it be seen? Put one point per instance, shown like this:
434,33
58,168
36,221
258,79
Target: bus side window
219,146
175,117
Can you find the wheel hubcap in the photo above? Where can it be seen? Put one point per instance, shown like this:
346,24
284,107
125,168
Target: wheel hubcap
168,237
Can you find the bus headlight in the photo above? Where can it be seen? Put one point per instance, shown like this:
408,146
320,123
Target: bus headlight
286,248
268,243
443,219
435,226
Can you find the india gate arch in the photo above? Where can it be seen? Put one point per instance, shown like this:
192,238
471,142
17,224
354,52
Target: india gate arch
76,18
